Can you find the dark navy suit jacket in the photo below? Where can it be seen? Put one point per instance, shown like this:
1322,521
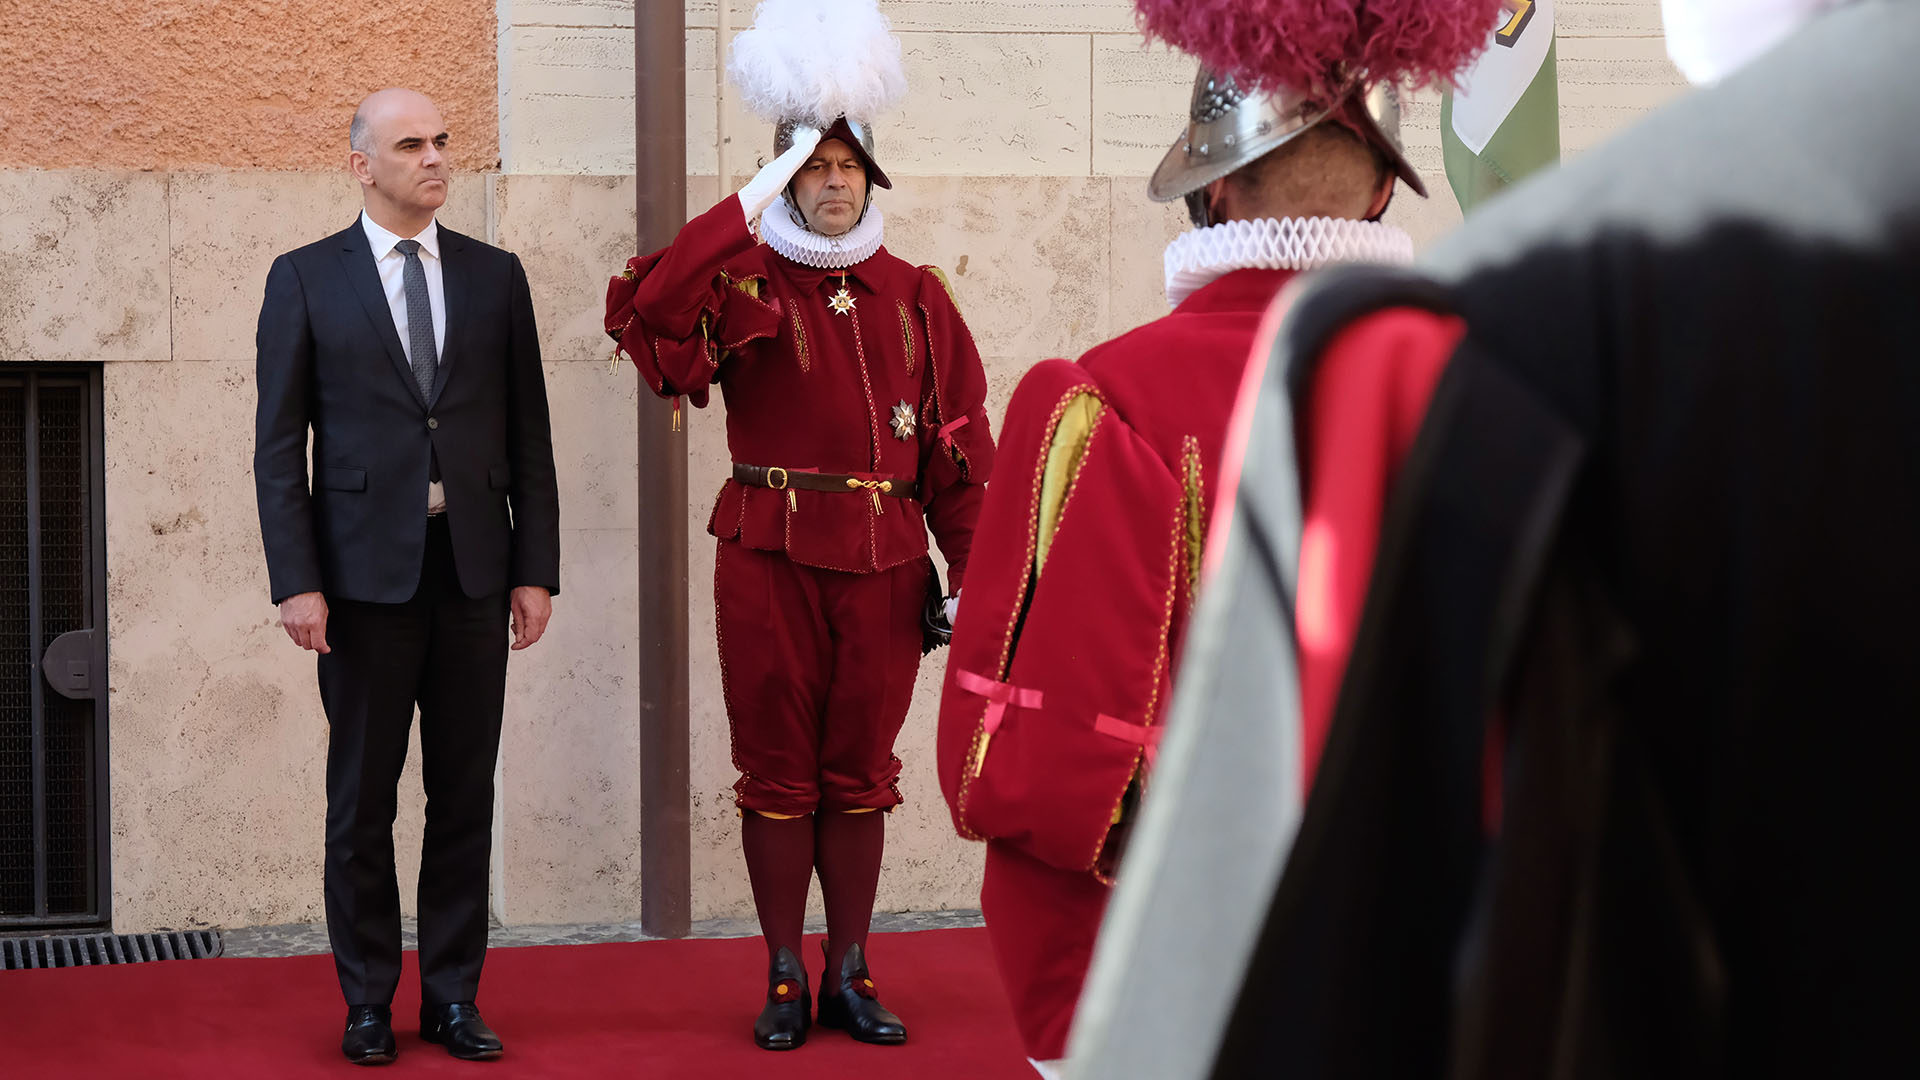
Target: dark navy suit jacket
330,361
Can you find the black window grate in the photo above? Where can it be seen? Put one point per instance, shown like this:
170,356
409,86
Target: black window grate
86,950
67,727
53,836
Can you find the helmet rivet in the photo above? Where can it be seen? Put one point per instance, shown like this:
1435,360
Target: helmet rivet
1263,128
1231,139
1203,149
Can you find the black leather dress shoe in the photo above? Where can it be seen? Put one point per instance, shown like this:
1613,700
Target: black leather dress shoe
788,1013
369,1036
851,1003
458,1027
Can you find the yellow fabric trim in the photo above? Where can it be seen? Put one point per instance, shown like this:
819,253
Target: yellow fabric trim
776,817
941,276
1196,516
1070,439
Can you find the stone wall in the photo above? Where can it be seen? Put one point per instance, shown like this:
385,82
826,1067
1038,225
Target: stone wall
1019,158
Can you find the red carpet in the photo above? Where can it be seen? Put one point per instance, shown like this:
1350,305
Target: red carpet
655,1009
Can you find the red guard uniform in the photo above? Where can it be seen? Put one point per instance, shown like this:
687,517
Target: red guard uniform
1089,549
855,418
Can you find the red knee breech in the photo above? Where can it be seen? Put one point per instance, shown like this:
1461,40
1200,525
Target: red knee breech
817,667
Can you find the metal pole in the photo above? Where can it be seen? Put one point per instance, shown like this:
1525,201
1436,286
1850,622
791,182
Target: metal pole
660,207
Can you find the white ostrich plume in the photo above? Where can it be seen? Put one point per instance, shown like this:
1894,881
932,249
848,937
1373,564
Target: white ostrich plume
818,60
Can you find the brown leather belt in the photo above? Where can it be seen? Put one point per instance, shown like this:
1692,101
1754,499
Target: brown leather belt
779,479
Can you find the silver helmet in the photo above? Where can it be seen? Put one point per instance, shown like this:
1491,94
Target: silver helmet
1229,127
855,133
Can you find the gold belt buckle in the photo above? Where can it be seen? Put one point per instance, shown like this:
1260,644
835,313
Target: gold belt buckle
782,485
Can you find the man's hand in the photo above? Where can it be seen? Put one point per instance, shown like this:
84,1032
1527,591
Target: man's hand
772,179
532,607
305,617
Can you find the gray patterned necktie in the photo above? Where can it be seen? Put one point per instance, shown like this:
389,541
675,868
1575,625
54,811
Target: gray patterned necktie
424,359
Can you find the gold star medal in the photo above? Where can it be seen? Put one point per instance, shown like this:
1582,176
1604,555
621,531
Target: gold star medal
902,421
842,301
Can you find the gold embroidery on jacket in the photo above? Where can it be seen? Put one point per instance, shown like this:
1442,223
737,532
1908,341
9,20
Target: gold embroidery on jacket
800,340
1196,515
906,332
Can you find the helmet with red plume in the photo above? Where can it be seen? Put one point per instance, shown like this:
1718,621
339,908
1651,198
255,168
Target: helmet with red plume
1271,69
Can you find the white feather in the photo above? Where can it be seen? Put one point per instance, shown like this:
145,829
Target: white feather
818,60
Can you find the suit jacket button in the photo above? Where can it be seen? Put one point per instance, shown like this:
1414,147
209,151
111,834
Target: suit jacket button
432,424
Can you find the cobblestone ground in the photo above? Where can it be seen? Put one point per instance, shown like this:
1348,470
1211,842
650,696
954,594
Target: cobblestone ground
299,939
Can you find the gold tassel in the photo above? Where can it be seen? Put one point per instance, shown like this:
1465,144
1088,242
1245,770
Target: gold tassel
676,424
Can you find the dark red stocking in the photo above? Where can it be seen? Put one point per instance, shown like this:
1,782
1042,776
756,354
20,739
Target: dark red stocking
780,865
847,849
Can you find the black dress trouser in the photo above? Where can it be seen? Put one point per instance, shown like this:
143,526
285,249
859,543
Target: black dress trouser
448,653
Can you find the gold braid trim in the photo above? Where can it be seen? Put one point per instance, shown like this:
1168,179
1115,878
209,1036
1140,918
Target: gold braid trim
1196,514
906,332
1151,717
800,339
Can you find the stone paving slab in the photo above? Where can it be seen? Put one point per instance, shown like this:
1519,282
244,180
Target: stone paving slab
301,939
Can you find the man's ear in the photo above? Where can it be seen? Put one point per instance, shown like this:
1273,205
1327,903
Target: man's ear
357,165
1382,196
1216,196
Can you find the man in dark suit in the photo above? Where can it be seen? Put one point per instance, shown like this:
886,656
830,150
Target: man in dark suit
409,351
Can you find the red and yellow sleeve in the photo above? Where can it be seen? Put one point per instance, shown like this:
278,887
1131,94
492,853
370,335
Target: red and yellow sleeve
677,312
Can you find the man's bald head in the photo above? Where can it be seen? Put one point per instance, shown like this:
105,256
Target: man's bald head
399,142
365,133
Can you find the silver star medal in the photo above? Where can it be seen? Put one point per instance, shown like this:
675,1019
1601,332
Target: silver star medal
902,421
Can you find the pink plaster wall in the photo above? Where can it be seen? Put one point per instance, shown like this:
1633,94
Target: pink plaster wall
233,84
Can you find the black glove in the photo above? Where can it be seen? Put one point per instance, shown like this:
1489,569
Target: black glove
935,630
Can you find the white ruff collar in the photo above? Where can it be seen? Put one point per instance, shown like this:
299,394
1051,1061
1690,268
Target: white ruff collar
1199,256
809,248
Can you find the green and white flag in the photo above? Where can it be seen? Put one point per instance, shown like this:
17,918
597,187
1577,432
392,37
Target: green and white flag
1503,121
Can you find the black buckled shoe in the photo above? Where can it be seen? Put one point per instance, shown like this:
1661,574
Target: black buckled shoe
369,1036
854,1006
788,1013
458,1027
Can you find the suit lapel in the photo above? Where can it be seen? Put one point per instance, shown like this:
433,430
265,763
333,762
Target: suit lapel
457,283
356,257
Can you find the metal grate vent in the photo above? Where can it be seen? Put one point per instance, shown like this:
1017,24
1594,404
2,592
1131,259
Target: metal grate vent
53,737
83,950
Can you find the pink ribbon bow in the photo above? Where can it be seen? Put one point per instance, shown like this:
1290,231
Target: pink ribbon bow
998,694
1139,734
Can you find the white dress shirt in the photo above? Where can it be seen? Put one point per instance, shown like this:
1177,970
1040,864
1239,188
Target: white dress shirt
392,265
